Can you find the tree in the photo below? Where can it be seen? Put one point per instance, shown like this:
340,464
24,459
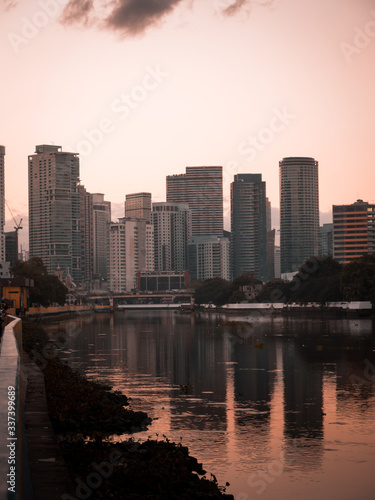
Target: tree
47,289
274,291
318,280
215,290
358,279
237,297
245,279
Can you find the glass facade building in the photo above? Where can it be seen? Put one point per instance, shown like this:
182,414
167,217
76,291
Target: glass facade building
172,230
249,225
202,189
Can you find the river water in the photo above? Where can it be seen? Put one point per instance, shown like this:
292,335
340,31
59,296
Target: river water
281,408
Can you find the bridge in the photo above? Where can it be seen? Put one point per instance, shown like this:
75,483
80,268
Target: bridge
141,298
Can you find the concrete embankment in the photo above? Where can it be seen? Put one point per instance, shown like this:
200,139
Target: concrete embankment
14,470
39,472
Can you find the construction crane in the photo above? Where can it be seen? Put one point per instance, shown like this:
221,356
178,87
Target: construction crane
18,226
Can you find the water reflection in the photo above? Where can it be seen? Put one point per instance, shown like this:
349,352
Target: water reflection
273,405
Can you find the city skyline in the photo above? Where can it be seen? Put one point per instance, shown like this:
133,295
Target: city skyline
290,78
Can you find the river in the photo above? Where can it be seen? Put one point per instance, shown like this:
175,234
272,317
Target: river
281,408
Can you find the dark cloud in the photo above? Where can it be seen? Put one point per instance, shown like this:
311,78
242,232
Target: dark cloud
135,16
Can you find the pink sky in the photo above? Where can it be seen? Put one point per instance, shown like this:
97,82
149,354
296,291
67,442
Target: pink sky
195,87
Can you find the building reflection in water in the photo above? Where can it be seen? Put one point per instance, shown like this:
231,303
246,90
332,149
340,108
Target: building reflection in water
242,391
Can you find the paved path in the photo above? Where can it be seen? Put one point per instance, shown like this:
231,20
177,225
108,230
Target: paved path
49,474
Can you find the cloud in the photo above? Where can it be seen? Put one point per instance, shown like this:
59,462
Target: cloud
9,4
234,7
135,16
126,16
77,12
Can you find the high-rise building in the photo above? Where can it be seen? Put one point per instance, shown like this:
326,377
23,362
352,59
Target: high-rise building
271,234
54,209
131,252
326,240
268,214
86,214
11,247
122,247
172,230
2,204
277,263
138,206
101,222
202,189
209,258
299,211
145,245
249,225
353,231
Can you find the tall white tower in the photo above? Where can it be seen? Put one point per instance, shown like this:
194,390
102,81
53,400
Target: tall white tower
54,209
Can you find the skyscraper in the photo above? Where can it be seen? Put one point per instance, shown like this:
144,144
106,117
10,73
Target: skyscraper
299,211
101,222
202,189
11,247
249,225
54,209
209,257
2,204
326,240
138,206
172,230
86,215
131,251
353,231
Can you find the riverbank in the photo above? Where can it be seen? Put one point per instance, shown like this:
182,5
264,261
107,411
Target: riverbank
85,414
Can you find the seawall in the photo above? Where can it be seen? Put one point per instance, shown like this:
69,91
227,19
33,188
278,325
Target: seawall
15,480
